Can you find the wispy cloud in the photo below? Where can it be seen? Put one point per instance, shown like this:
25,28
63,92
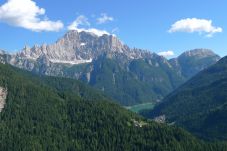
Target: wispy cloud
104,19
191,25
80,20
26,14
83,21
168,53
115,30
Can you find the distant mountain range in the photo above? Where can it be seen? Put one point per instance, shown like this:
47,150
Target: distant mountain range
128,76
199,105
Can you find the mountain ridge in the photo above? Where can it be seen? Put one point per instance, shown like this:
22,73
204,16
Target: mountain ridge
129,75
80,46
199,105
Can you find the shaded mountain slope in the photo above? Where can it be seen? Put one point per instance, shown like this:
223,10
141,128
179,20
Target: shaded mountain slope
200,104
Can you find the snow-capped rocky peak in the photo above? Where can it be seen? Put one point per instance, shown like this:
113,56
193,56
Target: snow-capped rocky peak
75,48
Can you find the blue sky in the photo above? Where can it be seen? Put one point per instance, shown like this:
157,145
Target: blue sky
156,25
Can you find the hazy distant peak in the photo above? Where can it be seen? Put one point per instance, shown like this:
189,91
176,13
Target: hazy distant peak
199,53
2,51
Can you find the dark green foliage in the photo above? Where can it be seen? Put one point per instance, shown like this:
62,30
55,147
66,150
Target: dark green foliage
49,114
71,86
200,104
118,83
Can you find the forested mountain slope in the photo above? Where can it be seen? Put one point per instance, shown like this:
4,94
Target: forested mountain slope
38,116
200,104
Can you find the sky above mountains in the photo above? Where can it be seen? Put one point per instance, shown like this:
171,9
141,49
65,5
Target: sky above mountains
164,27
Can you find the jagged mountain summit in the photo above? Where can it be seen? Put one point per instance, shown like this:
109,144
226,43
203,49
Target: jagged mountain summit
128,75
79,47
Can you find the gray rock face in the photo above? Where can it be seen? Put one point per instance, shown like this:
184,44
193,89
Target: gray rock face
3,94
76,48
80,47
199,53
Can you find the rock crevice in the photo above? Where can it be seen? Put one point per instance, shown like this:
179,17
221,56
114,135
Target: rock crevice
3,94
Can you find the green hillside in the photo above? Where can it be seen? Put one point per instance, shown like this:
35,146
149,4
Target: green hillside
139,81
39,117
200,104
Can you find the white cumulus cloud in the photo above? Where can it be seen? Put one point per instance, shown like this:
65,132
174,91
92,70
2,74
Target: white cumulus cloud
26,14
168,53
191,25
83,21
104,18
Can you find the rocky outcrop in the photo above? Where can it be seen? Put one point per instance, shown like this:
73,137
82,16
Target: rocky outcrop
3,94
75,48
81,47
